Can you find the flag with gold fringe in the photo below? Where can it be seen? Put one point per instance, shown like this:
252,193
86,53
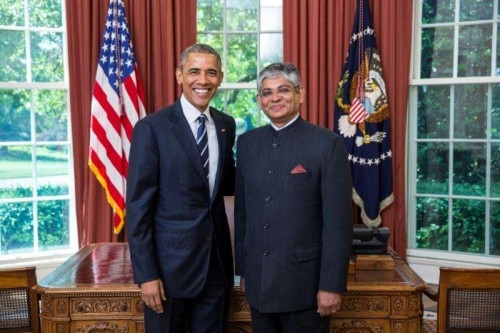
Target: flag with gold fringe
117,104
362,118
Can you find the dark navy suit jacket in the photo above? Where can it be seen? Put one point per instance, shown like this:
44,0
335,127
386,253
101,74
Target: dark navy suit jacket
171,218
293,227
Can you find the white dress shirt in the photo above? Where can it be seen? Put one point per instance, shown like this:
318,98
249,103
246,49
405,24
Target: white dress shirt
191,113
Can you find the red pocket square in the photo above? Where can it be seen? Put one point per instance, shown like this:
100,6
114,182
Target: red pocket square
298,169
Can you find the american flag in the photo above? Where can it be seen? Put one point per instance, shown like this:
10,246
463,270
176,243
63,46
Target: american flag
358,112
117,104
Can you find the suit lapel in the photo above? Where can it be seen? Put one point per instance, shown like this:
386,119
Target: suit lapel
182,132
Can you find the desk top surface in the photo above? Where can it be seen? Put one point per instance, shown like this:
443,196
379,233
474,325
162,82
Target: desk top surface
107,267
94,266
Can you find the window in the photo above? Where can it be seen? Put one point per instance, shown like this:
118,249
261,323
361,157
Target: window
248,35
36,182
454,129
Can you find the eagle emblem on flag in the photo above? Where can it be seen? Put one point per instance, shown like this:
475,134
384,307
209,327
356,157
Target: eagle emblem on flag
367,101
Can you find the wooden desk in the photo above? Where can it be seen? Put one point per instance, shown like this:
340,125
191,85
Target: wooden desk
93,291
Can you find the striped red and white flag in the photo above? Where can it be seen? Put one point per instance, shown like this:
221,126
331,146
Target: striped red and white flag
117,104
357,112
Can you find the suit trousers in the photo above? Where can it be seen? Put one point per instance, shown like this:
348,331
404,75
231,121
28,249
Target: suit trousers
206,313
304,321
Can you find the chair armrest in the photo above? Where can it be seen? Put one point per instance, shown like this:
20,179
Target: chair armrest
431,293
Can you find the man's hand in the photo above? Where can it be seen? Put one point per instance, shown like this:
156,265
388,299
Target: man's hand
153,294
328,302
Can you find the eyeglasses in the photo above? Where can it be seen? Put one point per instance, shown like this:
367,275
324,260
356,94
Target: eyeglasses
283,92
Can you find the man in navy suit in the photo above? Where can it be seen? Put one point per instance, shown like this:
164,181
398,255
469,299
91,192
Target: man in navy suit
177,226
293,228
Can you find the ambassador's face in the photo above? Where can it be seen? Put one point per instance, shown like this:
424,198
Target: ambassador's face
279,100
200,77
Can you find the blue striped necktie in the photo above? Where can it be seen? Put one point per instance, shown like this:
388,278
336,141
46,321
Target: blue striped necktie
202,141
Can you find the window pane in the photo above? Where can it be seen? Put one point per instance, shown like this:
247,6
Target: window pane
16,228
241,15
437,52
497,68
34,129
52,167
495,228
474,50
209,15
495,112
469,169
468,226
495,170
47,57
53,224
271,48
432,223
474,10
242,105
46,13
15,118
433,112
13,56
16,170
432,168
438,11
271,16
242,53
471,105
11,188
456,152
214,40
12,13
51,115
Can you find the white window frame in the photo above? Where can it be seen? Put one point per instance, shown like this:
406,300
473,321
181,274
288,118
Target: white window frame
45,261
427,262
246,85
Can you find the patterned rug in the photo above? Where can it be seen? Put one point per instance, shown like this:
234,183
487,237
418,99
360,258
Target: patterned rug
429,323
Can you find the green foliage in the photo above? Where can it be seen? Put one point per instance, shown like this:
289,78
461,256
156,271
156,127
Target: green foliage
51,115
233,34
15,115
16,221
495,228
46,13
13,55
53,220
467,221
47,56
434,237
438,11
209,16
16,226
12,13
432,223
433,112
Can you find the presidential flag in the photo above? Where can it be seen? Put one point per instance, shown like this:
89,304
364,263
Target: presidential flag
117,104
362,118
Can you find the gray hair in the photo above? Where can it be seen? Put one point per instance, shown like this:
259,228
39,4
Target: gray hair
288,71
199,48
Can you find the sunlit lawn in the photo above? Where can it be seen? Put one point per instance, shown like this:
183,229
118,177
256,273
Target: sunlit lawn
23,169
17,163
